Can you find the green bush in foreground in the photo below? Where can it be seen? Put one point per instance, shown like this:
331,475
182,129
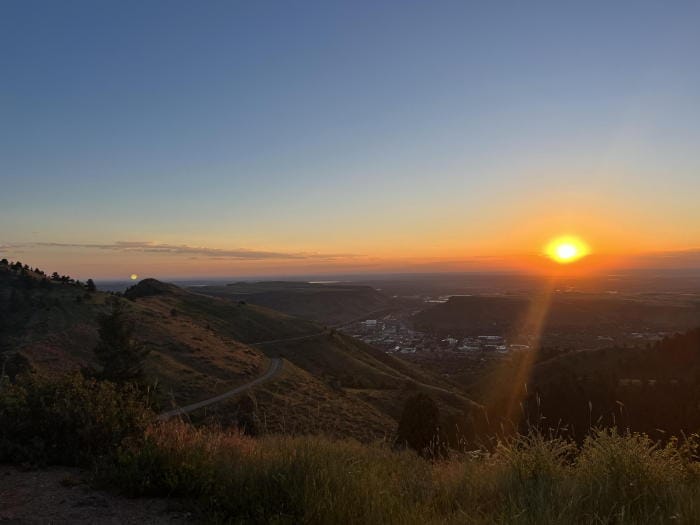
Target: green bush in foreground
69,421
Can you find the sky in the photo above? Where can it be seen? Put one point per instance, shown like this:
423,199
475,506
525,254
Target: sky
262,138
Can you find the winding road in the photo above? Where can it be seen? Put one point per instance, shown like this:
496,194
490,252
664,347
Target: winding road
272,371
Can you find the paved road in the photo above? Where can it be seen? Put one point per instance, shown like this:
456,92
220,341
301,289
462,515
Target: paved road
273,370
289,339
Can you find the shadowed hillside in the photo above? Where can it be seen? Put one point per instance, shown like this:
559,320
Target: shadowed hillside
653,389
475,315
330,304
202,346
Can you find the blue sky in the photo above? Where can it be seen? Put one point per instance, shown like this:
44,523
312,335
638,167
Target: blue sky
365,128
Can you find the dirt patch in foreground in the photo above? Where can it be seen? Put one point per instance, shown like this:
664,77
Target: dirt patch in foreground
62,495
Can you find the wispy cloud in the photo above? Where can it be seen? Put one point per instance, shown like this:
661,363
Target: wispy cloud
180,249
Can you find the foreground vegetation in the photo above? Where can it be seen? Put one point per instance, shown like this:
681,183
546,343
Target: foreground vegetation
227,477
612,479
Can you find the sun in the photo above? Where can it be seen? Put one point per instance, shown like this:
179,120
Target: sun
567,249
133,276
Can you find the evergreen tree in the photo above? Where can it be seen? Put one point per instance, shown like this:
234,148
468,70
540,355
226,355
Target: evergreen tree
121,356
16,301
419,427
91,286
27,280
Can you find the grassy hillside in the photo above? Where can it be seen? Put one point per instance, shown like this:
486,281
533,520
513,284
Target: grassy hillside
202,346
297,402
54,329
329,304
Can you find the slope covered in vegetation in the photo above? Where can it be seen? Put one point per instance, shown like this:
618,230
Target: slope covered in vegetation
201,346
653,389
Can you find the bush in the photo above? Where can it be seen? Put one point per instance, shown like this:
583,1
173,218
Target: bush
419,427
69,421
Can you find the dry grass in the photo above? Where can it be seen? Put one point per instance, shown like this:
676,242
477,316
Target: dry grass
529,480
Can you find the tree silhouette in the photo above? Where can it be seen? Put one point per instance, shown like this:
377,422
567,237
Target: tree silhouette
16,301
419,427
27,280
91,285
121,356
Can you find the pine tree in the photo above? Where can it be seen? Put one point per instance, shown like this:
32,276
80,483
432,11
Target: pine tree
121,356
16,301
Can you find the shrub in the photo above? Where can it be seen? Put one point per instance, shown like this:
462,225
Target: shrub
419,426
68,421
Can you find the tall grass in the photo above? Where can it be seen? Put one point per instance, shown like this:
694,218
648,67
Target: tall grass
613,478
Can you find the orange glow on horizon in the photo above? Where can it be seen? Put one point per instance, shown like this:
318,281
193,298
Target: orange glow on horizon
527,250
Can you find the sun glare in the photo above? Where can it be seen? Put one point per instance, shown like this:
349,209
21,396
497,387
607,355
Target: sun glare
568,249
133,276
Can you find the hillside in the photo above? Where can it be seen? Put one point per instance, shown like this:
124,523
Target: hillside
52,328
330,304
653,389
475,315
202,346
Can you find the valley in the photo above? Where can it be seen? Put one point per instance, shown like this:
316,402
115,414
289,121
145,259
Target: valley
203,346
